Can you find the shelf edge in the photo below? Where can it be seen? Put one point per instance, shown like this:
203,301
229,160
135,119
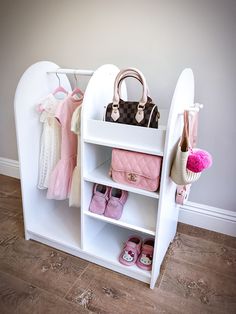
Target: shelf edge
130,269
91,140
120,223
122,187
88,256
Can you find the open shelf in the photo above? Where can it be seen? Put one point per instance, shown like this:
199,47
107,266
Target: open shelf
101,175
58,223
139,214
135,138
107,245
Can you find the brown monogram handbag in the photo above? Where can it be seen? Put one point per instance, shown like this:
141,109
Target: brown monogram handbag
141,113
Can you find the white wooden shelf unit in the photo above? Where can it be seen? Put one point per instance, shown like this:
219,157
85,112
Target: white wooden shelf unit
78,231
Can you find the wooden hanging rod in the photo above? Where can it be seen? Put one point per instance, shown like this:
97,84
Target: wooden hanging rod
72,71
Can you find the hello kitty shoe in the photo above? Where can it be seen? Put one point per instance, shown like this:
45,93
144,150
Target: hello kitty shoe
131,251
99,199
144,260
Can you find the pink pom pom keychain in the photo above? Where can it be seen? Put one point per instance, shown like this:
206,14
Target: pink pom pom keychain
198,160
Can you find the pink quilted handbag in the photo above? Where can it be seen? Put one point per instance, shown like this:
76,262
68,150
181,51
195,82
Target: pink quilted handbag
137,169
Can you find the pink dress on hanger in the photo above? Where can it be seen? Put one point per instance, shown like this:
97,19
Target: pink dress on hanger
60,179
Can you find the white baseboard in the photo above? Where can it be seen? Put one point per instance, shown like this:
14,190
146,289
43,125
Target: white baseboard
198,215
208,217
9,167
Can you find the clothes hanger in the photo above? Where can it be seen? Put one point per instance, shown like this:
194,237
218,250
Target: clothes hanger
59,89
77,90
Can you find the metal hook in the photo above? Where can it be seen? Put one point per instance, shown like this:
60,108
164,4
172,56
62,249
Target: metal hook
59,80
198,106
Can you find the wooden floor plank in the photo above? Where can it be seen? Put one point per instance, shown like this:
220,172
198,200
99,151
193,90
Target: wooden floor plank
208,254
10,195
42,266
20,297
195,283
103,291
200,233
11,224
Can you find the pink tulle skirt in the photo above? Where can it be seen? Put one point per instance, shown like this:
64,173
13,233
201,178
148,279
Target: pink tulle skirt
60,179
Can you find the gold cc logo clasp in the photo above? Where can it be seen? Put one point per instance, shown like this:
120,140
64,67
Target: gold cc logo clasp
132,177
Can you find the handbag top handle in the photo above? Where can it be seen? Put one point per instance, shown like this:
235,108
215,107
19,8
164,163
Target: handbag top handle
185,143
189,136
136,74
193,129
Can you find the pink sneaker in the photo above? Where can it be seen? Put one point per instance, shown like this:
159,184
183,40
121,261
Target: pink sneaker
99,199
145,258
117,199
130,252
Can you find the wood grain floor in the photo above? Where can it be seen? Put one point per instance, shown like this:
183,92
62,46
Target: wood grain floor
198,274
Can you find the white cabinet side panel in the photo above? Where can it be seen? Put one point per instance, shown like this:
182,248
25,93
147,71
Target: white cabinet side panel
168,211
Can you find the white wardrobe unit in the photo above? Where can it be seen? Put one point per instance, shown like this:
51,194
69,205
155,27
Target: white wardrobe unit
78,231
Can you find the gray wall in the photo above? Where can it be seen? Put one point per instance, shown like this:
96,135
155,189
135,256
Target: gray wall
160,38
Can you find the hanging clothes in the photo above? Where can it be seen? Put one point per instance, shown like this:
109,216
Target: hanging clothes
60,180
50,143
75,197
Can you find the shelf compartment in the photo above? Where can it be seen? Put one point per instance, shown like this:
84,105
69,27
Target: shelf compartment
106,245
100,175
139,214
135,138
58,223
